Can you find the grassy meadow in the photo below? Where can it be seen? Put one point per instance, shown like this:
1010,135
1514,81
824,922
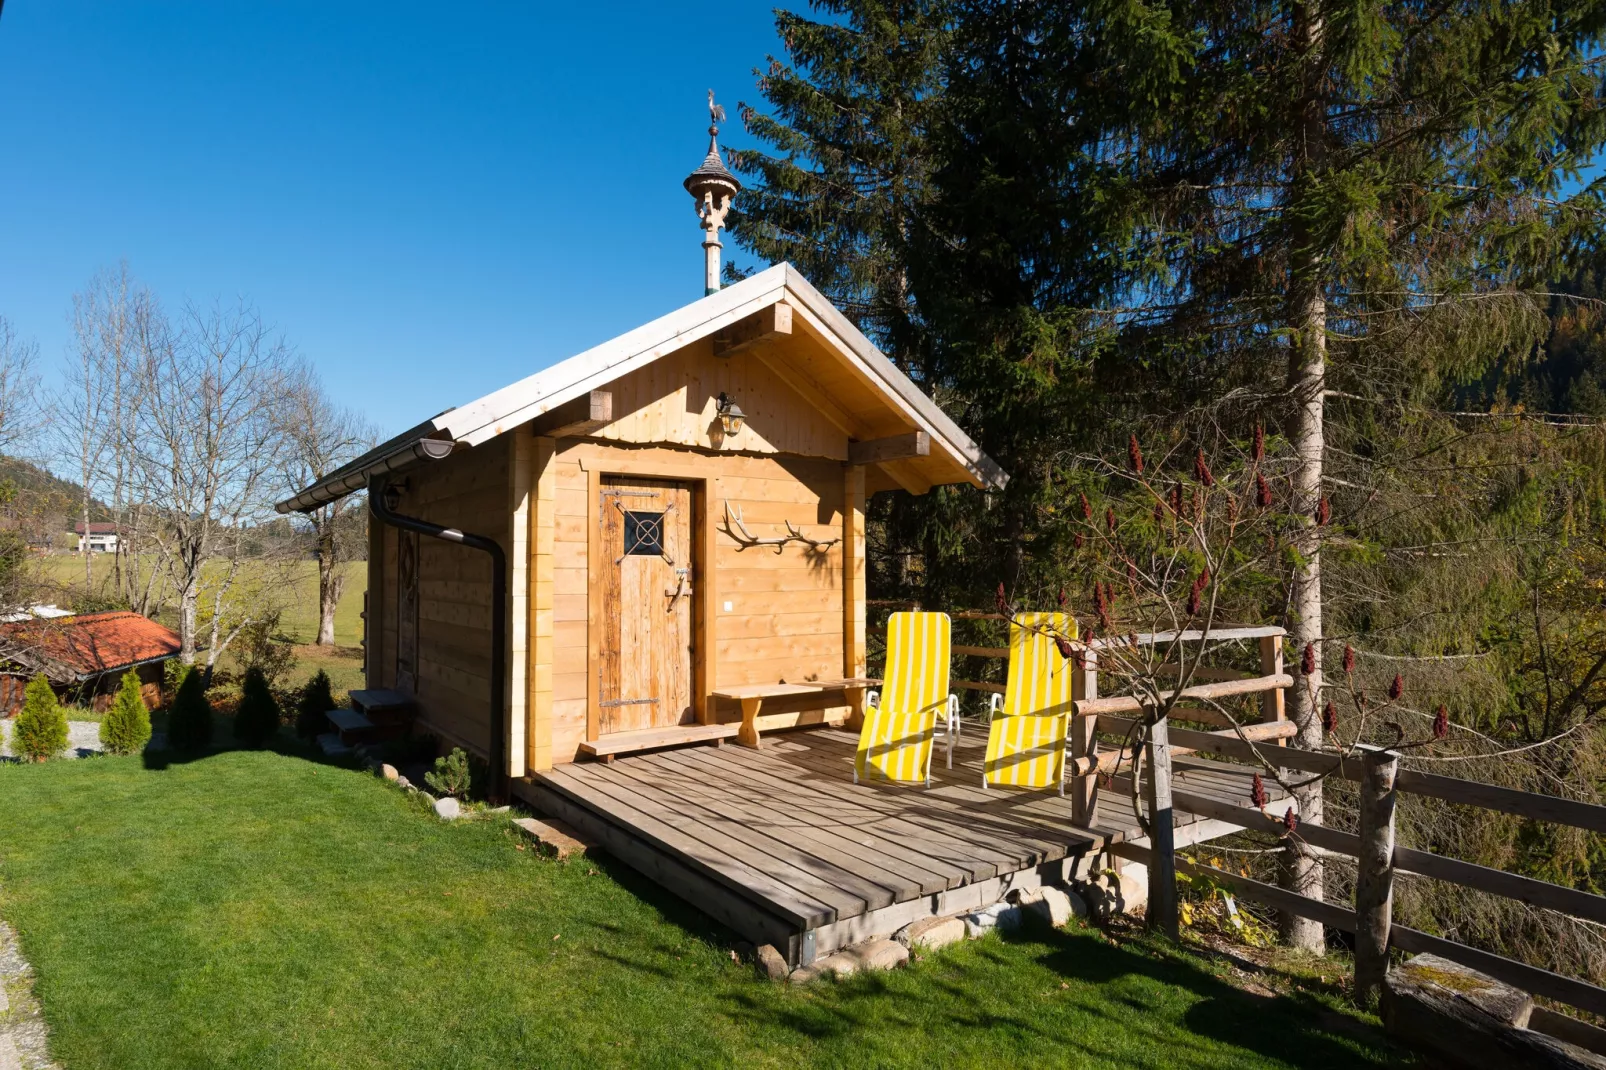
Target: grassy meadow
262,909
294,587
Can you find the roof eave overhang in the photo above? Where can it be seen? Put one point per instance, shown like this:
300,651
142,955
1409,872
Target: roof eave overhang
517,404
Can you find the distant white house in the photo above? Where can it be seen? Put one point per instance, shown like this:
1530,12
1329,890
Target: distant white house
102,537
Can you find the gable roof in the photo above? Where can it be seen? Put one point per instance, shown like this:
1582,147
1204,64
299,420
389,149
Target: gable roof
71,649
505,409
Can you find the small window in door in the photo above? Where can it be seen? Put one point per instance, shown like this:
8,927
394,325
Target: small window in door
644,533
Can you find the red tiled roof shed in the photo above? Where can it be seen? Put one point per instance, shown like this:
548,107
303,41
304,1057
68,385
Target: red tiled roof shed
84,646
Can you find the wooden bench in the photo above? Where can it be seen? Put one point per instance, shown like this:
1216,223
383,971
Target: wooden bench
818,693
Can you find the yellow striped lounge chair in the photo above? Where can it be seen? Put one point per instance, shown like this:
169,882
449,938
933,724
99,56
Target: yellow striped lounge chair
900,722
1031,721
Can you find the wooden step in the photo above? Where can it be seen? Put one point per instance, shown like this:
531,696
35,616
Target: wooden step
611,746
381,700
351,726
552,836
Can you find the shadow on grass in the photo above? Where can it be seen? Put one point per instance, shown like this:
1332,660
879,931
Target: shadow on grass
160,758
1297,1029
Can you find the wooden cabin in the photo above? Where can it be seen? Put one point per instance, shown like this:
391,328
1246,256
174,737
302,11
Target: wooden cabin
682,514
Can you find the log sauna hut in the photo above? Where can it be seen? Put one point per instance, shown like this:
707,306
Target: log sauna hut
660,542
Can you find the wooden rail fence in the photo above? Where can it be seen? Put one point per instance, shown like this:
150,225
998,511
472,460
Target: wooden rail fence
1378,857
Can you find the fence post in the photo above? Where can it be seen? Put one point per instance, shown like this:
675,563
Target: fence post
1374,878
1084,743
1162,912
1271,664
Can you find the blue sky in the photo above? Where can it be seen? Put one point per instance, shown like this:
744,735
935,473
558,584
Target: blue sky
428,200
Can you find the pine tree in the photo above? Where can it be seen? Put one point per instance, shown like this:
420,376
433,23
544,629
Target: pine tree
126,727
40,731
257,719
189,719
312,708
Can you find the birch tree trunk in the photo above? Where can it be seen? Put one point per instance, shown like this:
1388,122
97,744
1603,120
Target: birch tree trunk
1307,375
330,582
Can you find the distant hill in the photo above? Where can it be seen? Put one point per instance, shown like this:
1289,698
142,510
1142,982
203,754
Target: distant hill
50,493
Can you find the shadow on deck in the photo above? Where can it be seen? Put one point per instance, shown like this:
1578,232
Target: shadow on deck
780,845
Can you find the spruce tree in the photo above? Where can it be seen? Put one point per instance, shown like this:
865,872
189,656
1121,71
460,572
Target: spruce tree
189,719
40,731
312,708
840,185
126,727
257,719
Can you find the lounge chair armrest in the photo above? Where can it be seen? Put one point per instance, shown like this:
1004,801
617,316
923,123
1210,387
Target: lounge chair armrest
995,706
872,700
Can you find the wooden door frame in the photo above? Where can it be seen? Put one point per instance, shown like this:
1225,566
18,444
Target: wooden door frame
701,485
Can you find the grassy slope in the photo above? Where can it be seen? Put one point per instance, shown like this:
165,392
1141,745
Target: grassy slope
256,909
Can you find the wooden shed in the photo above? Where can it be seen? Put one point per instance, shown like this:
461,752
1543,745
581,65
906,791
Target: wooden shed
681,513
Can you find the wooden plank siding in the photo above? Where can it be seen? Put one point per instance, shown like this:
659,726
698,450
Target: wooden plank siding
470,490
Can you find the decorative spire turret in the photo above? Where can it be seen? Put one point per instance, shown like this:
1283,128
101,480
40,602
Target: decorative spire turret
712,186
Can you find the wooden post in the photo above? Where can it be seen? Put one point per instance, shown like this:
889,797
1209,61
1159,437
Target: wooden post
1271,664
1084,742
1374,874
1162,913
544,479
853,582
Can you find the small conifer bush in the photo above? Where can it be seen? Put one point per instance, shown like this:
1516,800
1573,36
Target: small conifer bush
257,719
126,727
41,728
451,775
189,721
317,699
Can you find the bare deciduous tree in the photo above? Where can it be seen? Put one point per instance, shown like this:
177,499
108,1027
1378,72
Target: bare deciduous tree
319,438
207,439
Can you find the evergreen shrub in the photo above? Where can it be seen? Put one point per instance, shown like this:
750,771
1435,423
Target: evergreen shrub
257,719
317,699
126,728
451,775
189,721
40,731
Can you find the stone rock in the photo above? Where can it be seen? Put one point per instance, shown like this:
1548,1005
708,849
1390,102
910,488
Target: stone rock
769,963
403,782
931,933
448,808
1054,906
877,955
841,964
803,975
1000,915
10,1057
5,1002
389,772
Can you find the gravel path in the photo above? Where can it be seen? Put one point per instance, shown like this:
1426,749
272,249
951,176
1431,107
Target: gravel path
83,739
23,1042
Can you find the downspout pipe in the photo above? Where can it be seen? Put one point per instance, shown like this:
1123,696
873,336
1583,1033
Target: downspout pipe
497,750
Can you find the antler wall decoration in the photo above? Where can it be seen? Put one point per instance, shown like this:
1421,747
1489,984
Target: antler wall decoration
738,531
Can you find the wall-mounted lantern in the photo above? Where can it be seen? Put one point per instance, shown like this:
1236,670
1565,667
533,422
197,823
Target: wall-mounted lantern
730,414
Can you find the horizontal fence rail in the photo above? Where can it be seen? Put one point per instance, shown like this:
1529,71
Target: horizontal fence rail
1264,743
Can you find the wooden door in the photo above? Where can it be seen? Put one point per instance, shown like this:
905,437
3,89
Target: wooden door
644,670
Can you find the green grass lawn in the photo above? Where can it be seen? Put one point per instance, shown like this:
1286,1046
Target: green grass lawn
261,910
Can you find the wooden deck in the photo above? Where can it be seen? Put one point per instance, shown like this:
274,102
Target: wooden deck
780,844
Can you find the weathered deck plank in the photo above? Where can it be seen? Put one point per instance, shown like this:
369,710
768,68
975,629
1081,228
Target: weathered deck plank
787,830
